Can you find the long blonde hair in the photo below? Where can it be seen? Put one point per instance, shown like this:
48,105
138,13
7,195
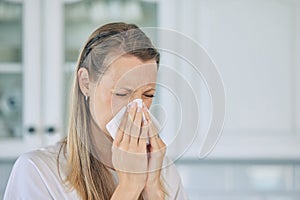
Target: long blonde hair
85,173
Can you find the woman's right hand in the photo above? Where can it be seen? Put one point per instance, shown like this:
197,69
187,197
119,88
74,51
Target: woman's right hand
129,152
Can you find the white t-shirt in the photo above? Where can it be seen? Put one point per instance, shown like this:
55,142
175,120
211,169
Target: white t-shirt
35,176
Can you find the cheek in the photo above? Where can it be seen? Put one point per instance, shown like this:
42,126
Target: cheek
117,103
100,106
107,100
103,102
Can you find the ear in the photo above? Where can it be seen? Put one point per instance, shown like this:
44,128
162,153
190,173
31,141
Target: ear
84,81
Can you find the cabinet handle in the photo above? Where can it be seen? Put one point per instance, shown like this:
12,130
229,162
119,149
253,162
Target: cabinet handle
31,130
50,130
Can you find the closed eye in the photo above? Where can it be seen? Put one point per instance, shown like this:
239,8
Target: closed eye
151,96
146,95
120,94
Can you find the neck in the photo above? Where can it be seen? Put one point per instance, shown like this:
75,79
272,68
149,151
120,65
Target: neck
103,144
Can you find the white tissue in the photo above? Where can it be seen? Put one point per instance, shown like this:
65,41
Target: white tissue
113,124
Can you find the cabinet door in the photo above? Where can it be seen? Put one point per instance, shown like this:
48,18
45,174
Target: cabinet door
20,117
38,32
52,73
255,45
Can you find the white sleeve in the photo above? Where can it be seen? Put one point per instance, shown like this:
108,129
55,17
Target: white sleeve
173,183
25,181
180,193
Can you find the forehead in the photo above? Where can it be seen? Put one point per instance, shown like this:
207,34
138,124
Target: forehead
132,72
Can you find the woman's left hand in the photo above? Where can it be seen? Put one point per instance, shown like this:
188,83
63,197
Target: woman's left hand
156,153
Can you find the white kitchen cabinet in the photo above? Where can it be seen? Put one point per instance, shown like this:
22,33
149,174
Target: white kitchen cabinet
256,46
40,43
39,72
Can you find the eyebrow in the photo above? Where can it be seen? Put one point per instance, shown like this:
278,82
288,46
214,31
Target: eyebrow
128,89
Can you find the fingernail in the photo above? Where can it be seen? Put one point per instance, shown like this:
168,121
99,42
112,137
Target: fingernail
139,109
145,107
131,105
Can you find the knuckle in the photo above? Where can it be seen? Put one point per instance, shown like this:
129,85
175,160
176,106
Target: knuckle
115,143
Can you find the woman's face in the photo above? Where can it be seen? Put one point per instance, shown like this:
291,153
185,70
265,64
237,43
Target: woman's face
127,78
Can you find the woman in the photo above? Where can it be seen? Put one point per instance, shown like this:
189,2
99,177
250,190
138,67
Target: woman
117,65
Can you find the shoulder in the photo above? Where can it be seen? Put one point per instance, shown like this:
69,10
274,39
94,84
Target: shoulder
35,168
40,159
41,154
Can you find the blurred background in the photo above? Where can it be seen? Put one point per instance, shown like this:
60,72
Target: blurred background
255,45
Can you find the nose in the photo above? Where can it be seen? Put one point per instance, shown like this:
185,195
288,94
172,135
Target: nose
135,95
147,102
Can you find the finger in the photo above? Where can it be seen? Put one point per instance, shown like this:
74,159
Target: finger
161,143
144,134
147,116
152,133
146,112
136,126
145,124
153,137
120,132
152,129
129,122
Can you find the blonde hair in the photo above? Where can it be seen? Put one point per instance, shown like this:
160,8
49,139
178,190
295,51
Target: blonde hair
85,173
